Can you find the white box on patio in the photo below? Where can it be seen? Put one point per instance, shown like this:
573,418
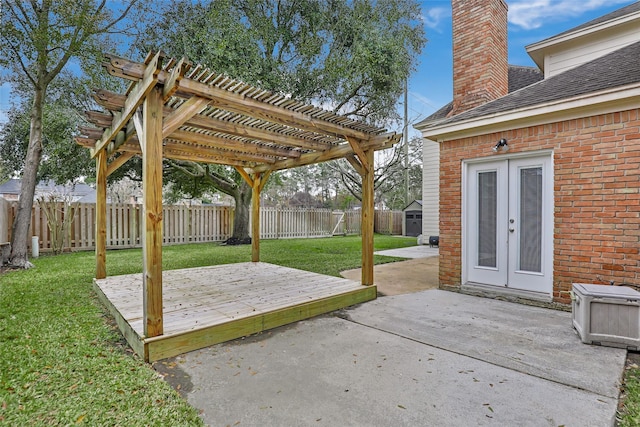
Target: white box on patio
607,315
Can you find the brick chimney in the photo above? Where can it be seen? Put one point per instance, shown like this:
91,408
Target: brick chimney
480,67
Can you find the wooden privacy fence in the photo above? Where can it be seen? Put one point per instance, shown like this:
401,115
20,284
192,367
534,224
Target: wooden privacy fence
388,222
190,224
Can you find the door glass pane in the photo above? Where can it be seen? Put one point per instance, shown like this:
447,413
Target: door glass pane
487,220
531,219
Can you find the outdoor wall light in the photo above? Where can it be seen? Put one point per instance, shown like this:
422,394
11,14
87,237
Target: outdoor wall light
502,144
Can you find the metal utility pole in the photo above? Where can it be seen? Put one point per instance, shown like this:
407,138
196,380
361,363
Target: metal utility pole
405,136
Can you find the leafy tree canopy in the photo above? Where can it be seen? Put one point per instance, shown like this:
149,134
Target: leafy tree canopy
351,56
38,40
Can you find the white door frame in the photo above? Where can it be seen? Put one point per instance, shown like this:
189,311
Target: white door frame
510,276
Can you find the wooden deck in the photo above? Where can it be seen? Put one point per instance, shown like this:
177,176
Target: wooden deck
208,305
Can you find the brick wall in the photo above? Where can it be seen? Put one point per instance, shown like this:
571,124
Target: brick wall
480,68
596,197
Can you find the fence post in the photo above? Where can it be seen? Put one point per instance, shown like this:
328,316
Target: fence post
4,220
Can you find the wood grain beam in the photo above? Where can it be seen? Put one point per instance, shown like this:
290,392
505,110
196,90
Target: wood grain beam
119,161
152,214
263,181
378,143
109,100
230,128
238,103
203,158
137,124
85,142
367,222
259,163
90,132
243,173
101,215
178,117
149,79
230,144
173,82
102,120
356,146
180,151
356,164
216,125
124,135
255,217
213,151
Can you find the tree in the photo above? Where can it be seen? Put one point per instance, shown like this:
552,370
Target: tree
195,179
393,195
388,175
59,124
38,39
351,56
124,191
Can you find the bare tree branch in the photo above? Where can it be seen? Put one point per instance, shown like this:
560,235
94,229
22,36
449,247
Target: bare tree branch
222,183
349,97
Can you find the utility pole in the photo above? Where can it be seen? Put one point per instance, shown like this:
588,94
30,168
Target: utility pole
405,136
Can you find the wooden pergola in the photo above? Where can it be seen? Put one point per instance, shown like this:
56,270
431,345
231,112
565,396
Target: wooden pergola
174,110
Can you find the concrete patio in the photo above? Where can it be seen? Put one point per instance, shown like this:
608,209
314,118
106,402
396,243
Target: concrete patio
418,359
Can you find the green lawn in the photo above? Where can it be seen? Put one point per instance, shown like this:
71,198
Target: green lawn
62,364
629,408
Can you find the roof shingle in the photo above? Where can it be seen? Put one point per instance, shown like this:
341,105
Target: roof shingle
632,8
619,68
519,77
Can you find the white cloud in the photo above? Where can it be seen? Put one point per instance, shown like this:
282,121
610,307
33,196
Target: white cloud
434,17
532,14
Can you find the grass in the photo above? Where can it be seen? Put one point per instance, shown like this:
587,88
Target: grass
629,407
61,363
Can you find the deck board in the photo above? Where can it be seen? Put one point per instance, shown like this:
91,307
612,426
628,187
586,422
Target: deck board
207,305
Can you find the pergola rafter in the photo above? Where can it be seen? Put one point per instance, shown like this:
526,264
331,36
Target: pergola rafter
177,111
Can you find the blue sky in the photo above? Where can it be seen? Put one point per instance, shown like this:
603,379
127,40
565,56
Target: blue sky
431,86
530,21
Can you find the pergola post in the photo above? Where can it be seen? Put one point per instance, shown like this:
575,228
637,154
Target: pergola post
151,142
257,182
101,215
255,218
367,220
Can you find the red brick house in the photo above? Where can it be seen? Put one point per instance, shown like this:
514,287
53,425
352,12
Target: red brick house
539,183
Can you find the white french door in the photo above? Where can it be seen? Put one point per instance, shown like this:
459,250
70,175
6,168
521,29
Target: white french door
508,223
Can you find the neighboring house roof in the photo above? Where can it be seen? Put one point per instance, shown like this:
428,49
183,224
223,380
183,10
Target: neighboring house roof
12,186
89,198
78,190
617,69
519,77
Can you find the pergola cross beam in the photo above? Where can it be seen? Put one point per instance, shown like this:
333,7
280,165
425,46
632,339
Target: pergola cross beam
239,102
149,78
112,100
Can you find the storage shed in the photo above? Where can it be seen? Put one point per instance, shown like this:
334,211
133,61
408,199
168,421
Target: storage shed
412,219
